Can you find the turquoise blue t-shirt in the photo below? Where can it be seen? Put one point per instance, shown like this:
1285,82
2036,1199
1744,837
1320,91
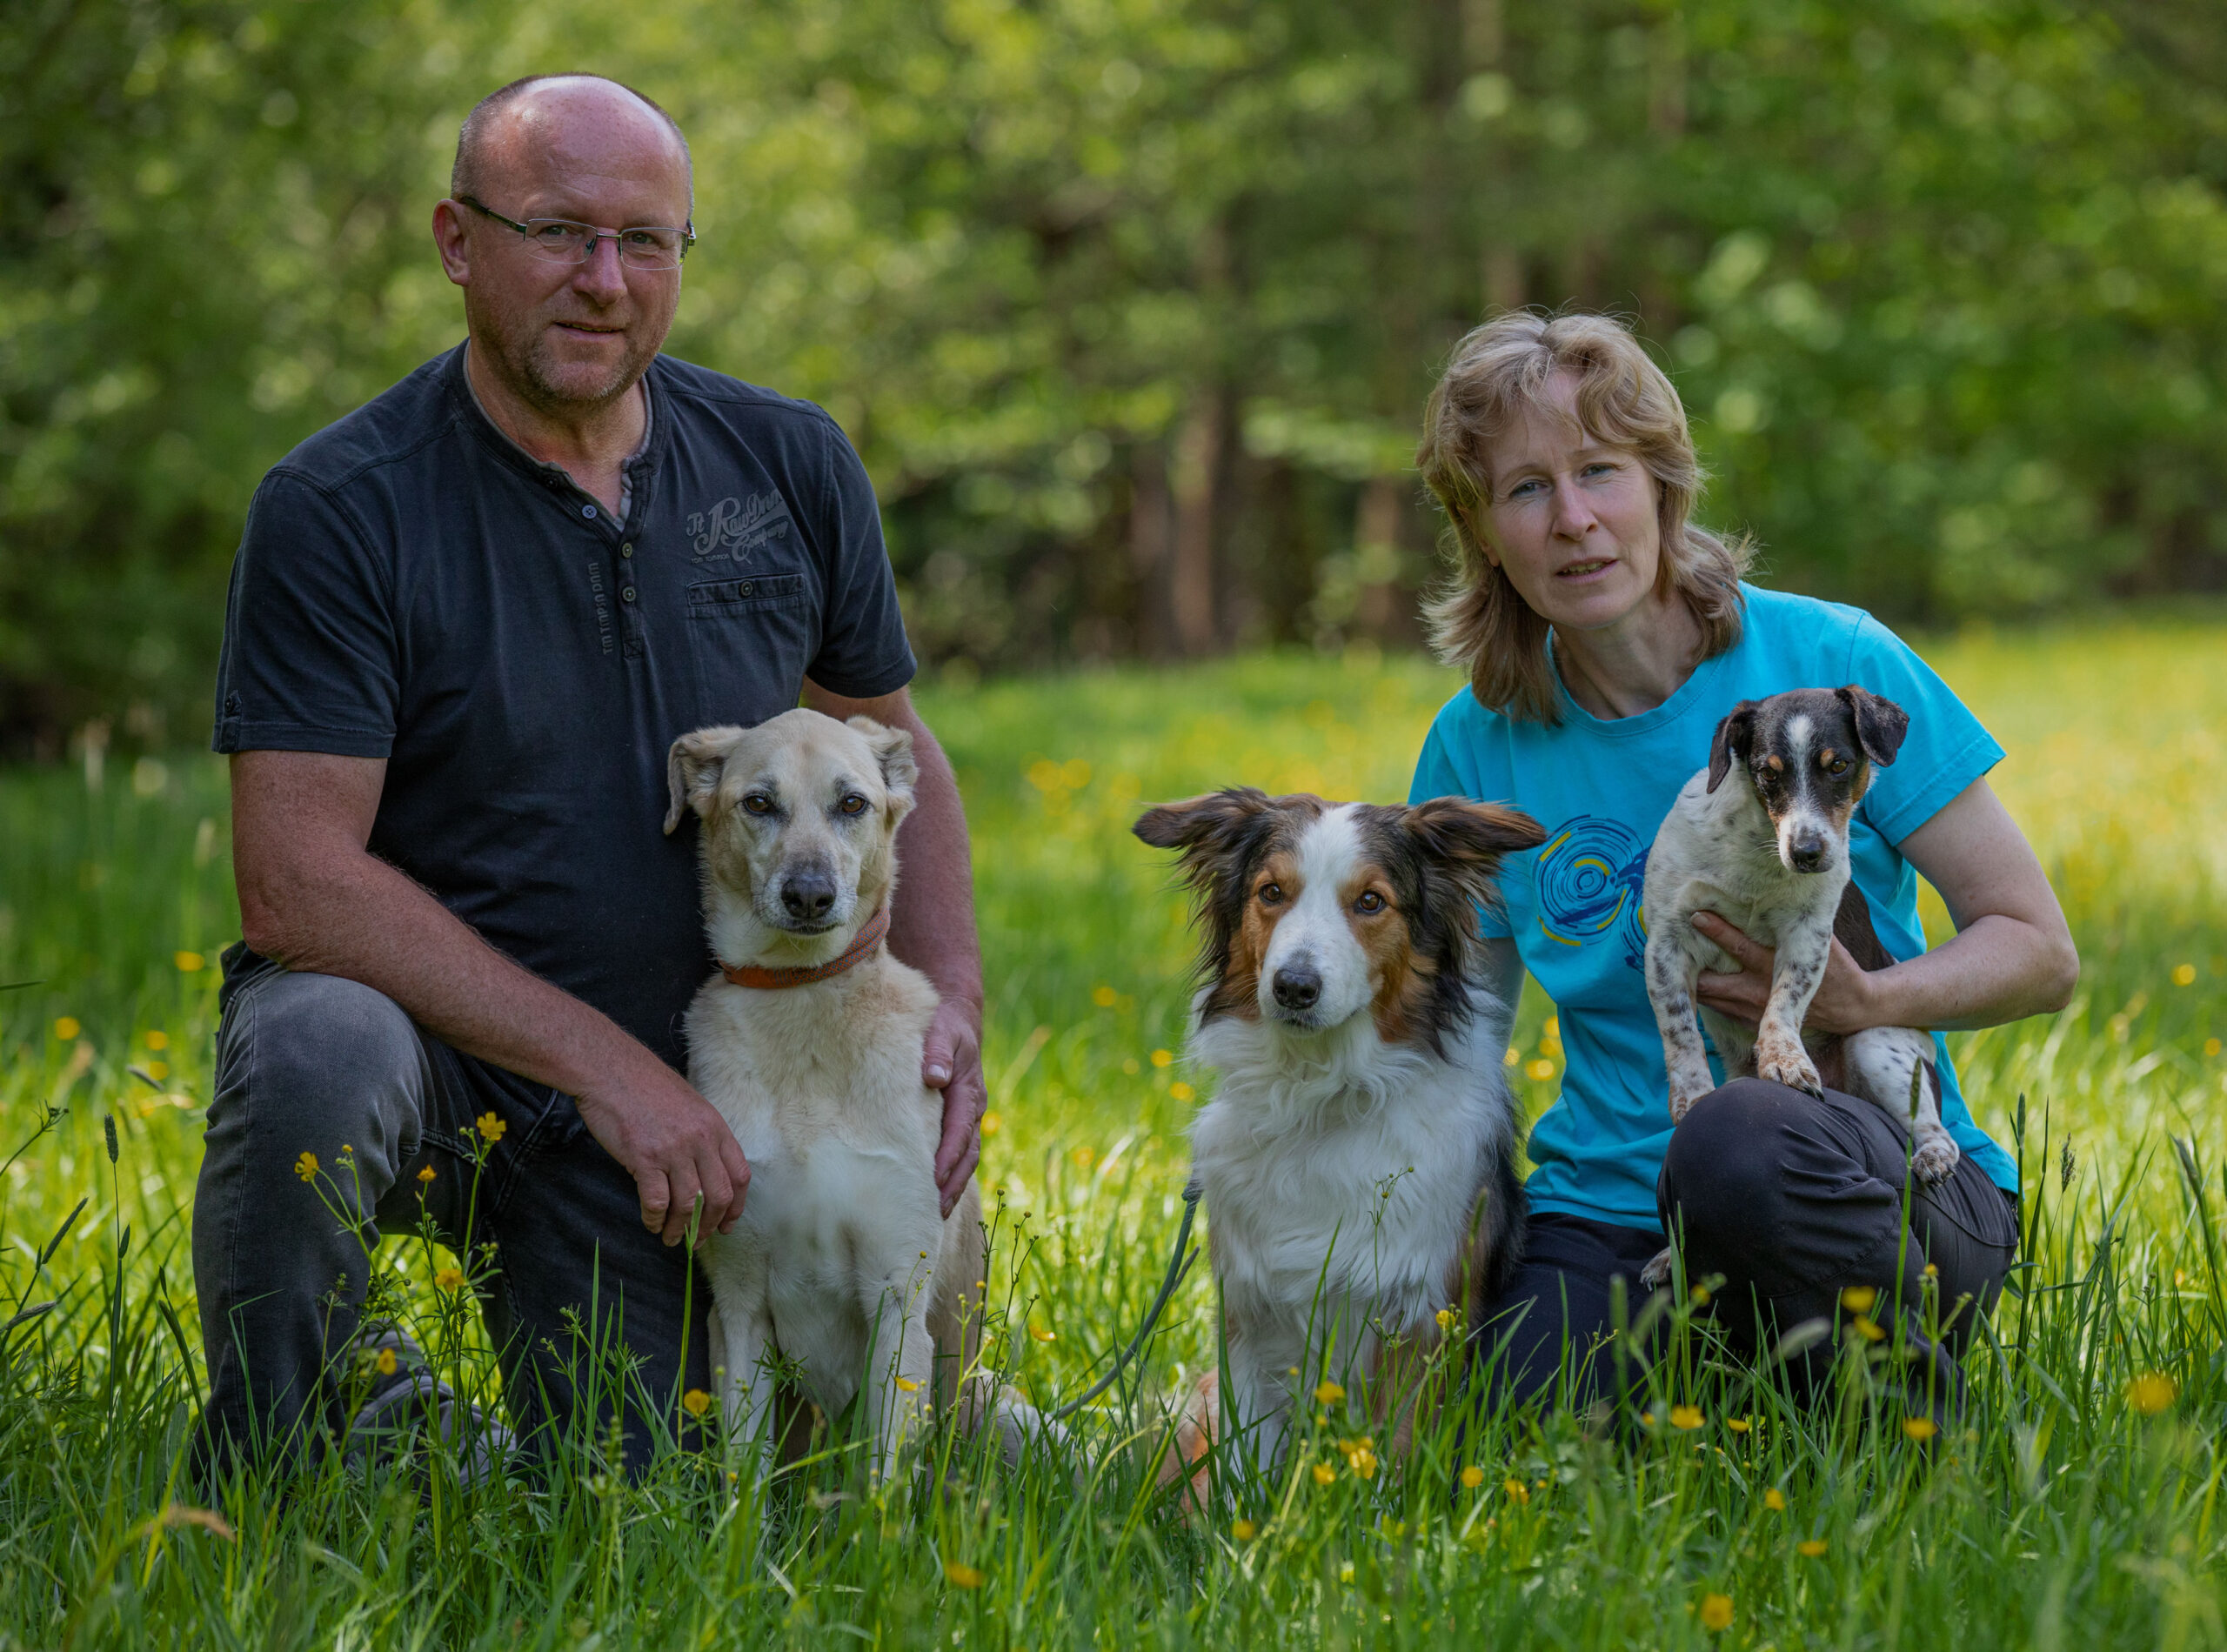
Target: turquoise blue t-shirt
1600,789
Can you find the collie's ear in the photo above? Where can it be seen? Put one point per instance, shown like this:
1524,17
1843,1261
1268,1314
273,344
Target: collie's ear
692,769
893,749
1880,724
1731,739
1462,833
1203,825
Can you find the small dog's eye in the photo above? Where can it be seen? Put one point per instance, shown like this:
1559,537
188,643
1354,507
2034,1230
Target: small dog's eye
852,804
1370,901
757,803
1271,893
1838,765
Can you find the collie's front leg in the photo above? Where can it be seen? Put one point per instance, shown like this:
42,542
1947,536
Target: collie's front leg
1257,1395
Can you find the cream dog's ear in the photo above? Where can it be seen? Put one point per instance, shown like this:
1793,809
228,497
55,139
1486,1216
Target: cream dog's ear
692,769
893,749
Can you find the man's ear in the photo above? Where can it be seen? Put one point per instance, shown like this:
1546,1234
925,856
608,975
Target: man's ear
901,772
1880,724
693,767
1730,740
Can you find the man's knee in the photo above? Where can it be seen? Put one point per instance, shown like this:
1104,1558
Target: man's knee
1723,1172
313,1055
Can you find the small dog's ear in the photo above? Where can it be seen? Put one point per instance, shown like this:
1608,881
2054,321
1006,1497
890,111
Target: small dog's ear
1203,825
1730,740
692,769
1458,831
893,749
1880,724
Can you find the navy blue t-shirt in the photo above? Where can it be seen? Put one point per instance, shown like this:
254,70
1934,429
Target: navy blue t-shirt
412,585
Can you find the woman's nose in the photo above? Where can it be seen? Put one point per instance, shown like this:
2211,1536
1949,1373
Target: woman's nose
1574,519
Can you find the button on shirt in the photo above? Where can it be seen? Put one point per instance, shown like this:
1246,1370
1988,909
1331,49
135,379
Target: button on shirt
412,585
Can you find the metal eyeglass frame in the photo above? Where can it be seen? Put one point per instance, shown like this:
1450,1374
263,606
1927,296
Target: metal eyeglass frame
524,228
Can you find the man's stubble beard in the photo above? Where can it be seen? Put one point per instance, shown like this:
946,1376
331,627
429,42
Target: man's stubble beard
529,371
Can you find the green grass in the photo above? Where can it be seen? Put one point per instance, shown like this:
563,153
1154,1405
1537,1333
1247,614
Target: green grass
2058,1517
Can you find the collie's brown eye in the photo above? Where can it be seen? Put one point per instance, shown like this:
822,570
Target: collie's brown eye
852,804
1271,894
1370,901
757,803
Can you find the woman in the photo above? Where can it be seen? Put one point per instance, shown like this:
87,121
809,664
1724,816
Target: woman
1604,636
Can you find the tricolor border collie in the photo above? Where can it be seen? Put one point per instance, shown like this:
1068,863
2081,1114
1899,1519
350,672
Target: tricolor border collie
1768,853
1358,1160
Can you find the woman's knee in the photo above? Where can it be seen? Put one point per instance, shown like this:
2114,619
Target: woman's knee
1723,1174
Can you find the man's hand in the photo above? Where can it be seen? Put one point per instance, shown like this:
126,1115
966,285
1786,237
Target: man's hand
953,1063
1843,1003
674,1144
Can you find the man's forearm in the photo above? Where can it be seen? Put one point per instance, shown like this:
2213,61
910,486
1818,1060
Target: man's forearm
932,925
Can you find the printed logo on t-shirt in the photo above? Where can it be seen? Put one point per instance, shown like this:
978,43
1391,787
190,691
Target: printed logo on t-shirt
1591,876
734,528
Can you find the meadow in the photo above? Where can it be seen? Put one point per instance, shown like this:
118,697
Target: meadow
2076,1506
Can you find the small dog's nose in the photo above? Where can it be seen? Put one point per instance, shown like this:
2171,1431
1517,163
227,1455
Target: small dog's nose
1296,986
807,896
1808,853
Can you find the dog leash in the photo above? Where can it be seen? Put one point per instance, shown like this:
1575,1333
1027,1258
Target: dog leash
1179,1264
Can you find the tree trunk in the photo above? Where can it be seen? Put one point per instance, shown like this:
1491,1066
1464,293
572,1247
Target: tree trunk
1198,472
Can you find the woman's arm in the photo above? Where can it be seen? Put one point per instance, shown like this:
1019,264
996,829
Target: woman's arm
2011,956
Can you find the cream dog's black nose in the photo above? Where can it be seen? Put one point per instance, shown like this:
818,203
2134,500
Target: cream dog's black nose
1296,986
807,894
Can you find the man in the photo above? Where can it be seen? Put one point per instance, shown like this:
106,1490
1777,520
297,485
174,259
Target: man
465,623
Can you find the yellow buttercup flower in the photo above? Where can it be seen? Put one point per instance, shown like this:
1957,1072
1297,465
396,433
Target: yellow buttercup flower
1774,1500
1104,997
906,1385
1242,1530
1444,1319
1163,1058
1472,1477
449,1278
426,1175
1364,1461
1687,1417
1868,1331
158,1040
2152,1393
1716,1612
490,1126
1517,1491
959,1574
1179,1090
1920,1428
1540,1070
384,1363
67,1028
305,1166
1324,1473
1811,1549
188,963
1738,1425
1327,1393
990,1123
1858,1299
2184,974
1042,1334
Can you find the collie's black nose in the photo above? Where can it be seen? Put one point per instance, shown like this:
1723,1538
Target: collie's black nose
807,895
1296,986
1807,852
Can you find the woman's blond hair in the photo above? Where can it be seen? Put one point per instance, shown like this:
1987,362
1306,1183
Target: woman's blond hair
1497,375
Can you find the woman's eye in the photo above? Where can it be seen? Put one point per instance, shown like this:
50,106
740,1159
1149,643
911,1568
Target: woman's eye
1370,901
1271,893
1524,490
757,803
852,804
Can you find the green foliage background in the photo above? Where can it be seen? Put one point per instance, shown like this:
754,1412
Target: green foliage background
1131,304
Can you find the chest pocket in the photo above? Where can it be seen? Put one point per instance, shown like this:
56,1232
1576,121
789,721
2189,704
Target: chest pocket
752,640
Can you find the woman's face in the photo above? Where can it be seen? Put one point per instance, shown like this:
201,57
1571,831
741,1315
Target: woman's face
1573,521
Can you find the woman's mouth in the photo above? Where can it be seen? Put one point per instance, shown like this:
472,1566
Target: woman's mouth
1584,570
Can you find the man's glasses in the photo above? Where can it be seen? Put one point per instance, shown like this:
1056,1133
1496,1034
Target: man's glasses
648,246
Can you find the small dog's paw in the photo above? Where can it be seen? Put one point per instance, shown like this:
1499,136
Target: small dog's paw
1656,1274
1936,1159
1793,1068
1684,1094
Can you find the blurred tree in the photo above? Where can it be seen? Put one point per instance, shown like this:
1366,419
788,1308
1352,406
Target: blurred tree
1131,304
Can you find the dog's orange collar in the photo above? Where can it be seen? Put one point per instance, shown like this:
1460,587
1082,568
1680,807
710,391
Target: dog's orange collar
772,980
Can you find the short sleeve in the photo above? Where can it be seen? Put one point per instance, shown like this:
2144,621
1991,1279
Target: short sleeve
1440,772
309,654
1946,748
863,651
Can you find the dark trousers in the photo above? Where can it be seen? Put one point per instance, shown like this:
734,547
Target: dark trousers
315,1064
1789,1201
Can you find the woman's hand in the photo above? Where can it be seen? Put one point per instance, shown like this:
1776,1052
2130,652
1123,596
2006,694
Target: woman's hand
1844,1002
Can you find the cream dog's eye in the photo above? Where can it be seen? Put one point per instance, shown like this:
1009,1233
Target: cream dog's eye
1271,894
852,804
757,803
1370,901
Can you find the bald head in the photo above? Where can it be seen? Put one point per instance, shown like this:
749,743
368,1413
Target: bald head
513,134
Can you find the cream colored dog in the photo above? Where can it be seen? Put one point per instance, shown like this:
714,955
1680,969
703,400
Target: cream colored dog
809,1043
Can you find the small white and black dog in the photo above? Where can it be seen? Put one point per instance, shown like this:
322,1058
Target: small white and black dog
808,1042
1358,1160
1768,854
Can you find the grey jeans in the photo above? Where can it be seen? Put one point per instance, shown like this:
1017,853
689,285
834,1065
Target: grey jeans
316,1064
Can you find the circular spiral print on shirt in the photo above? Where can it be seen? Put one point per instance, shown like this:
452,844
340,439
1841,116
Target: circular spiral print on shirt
1590,875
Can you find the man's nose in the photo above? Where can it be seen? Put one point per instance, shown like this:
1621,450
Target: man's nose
602,272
